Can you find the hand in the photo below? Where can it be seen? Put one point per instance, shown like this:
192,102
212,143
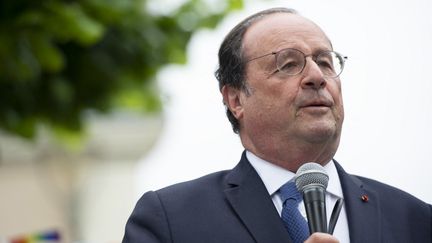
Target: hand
321,238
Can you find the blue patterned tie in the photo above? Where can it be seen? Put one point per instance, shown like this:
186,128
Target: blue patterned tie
295,224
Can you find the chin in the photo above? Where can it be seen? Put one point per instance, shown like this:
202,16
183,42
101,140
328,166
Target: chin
321,133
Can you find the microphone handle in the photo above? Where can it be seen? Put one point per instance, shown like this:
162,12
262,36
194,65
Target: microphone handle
314,200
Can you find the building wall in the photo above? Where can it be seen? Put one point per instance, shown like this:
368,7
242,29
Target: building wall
86,194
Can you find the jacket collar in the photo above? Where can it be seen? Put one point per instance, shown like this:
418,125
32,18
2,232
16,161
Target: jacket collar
362,207
250,200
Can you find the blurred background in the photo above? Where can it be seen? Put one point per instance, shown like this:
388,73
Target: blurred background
102,100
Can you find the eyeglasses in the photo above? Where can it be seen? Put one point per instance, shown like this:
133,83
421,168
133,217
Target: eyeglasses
292,62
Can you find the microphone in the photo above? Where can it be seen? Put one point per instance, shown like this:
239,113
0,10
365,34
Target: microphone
312,180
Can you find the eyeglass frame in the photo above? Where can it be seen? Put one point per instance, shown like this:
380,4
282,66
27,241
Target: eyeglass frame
314,57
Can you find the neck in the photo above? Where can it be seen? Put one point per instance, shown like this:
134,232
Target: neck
292,154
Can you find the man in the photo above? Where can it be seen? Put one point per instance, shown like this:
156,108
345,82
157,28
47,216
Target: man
279,78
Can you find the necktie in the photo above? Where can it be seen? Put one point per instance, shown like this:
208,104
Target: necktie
295,224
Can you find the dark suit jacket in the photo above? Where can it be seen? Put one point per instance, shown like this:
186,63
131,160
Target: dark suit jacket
234,207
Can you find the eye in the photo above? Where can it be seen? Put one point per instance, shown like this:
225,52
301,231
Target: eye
331,63
325,63
290,65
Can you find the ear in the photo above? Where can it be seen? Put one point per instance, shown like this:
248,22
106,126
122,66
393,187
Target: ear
233,101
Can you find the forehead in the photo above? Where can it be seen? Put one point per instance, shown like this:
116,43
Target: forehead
284,30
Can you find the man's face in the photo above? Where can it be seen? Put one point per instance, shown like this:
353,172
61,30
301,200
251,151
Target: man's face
306,107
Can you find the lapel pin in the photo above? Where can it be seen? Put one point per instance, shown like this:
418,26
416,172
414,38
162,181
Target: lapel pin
365,198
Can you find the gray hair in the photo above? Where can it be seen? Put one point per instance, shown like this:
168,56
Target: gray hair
231,71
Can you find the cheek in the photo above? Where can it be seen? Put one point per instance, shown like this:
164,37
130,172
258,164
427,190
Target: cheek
335,90
281,98
339,106
270,104
274,96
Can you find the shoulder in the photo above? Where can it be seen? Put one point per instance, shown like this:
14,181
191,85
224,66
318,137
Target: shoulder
391,200
177,206
393,197
201,190
381,187
210,186
205,185
386,193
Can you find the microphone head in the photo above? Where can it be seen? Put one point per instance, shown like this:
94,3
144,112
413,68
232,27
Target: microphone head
311,174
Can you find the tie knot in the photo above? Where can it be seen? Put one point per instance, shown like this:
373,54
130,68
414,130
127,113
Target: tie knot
289,192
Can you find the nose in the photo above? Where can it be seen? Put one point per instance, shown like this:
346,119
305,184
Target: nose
313,78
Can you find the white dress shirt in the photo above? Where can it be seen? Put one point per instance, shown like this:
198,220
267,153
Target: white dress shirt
274,177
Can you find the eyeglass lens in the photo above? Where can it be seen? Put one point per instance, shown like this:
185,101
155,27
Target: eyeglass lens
292,62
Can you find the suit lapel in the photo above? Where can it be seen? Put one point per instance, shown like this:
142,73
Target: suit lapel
250,200
362,208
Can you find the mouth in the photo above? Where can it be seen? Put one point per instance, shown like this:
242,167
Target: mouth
317,104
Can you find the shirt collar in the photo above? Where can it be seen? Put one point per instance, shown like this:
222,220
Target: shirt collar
274,176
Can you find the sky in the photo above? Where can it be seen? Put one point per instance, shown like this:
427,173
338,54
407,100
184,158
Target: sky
386,85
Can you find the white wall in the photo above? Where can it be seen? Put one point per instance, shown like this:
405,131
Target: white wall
386,84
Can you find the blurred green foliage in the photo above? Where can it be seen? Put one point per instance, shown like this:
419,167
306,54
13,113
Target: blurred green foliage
61,58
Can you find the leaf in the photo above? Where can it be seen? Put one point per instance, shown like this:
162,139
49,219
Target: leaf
235,5
60,59
49,56
69,22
